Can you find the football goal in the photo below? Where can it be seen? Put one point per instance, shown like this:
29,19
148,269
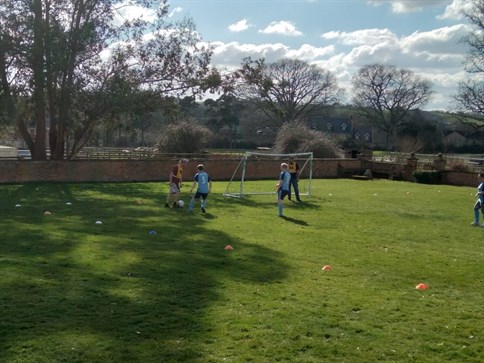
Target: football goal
259,166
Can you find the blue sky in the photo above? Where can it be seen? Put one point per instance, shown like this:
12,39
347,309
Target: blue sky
339,35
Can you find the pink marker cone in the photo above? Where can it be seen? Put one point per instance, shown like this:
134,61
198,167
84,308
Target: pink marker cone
229,248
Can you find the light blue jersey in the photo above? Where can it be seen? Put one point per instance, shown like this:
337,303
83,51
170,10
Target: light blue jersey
286,180
203,180
480,189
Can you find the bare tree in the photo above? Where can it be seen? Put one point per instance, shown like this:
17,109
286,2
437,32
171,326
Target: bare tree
384,95
60,62
288,89
469,100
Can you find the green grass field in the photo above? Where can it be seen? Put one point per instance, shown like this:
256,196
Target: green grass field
76,291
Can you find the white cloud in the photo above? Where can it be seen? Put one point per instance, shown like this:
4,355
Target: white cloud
446,40
281,28
125,12
310,53
408,6
455,9
230,55
436,55
365,36
239,26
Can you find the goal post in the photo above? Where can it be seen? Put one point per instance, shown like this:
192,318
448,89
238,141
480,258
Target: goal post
265,166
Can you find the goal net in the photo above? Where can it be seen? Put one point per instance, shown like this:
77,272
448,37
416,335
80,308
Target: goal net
257,173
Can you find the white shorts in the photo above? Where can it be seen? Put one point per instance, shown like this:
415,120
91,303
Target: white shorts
174,188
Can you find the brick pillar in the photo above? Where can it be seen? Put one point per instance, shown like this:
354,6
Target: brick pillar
439,162
411,166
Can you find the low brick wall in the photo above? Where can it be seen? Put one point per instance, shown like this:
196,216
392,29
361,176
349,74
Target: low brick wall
12,171
152,170
459,178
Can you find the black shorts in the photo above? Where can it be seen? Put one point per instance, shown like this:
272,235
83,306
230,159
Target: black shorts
282,193
203,195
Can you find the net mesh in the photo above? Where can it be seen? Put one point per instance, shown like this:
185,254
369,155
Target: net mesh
259,166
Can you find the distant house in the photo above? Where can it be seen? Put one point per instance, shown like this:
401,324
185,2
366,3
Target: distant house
343,129
362,134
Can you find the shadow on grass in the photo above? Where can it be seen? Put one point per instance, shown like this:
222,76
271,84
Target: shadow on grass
75,291
294,220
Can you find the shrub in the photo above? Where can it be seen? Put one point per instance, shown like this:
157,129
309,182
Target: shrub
184,136
294,137
427,177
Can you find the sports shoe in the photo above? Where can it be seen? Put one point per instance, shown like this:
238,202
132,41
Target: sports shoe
166,205
175,205
203,210
474,224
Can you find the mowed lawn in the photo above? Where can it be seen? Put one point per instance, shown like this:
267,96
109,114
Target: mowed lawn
152,284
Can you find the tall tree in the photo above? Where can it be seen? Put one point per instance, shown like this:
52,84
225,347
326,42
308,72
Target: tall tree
60,59
287,90
384,95
470,95
224,112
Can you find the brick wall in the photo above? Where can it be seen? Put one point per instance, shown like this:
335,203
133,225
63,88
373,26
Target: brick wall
156,170
152,170
460,178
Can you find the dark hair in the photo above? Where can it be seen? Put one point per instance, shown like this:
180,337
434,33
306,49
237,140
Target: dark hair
480,175
200,167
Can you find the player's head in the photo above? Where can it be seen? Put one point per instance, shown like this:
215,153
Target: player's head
200,167
480,175
290,158
283,166
183,161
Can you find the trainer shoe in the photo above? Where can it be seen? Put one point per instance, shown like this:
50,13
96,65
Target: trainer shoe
175,205
474,224
203,210
166,205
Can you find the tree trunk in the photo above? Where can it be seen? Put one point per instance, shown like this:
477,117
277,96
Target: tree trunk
38,150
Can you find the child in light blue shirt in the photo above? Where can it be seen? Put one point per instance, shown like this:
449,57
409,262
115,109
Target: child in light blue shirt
282,188
204,185
480,200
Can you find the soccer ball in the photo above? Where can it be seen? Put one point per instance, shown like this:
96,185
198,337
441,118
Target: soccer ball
181,204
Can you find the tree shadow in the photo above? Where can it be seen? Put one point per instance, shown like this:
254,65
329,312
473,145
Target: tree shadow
134,296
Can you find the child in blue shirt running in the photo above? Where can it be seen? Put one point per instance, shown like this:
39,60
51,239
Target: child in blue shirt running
204,186
480,200
282,188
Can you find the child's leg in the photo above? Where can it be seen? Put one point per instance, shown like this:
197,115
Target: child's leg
168,199
296,190
477,207
280,202
173,194
175,197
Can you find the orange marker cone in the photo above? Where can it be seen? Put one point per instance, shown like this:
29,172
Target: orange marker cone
422,286
327,268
